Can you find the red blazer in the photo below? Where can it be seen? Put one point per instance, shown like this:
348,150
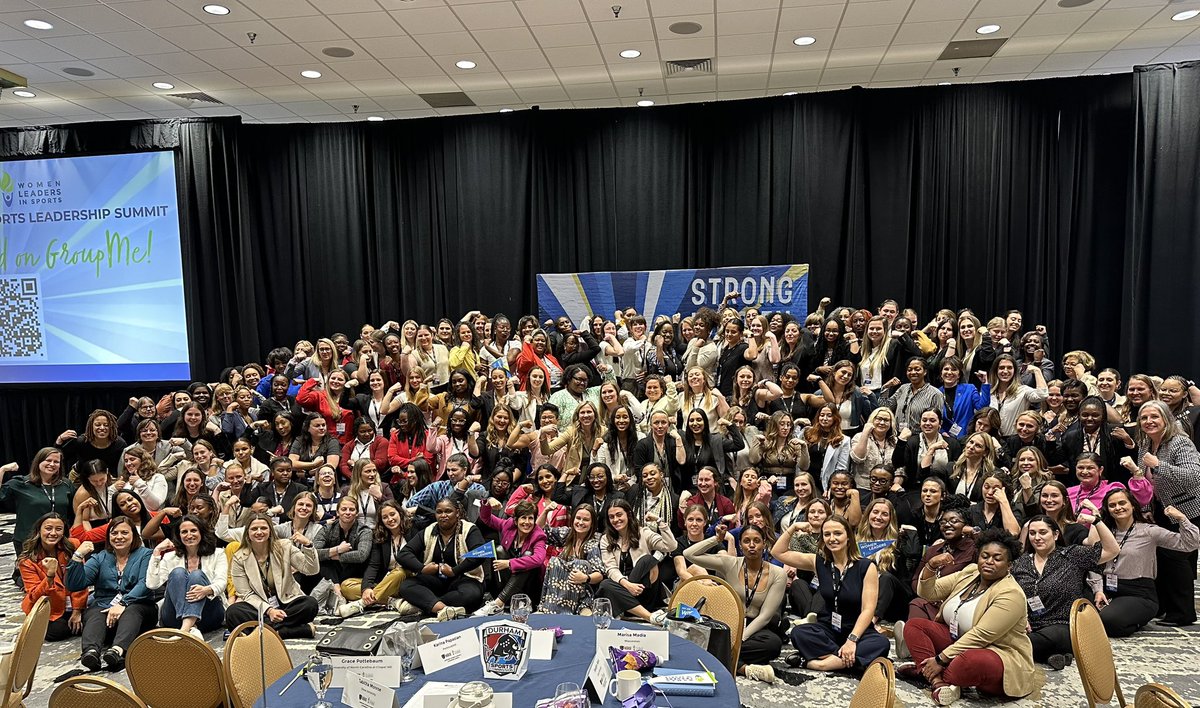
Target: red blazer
400,453
378,452
528,359
39,585
313,400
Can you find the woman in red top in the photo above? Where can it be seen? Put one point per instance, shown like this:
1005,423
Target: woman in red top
411,440
43,567
535,352
366,443
326,400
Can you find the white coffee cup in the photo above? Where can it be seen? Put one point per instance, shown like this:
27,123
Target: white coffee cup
625,684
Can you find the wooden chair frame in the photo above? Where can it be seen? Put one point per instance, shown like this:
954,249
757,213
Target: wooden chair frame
23,664
866,695
736,624
242,633
147,670
1084,612
104,689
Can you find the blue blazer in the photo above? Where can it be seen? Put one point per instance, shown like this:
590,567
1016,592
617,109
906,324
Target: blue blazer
967,402
100,571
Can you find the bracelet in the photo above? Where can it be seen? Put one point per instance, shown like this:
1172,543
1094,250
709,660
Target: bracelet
944,663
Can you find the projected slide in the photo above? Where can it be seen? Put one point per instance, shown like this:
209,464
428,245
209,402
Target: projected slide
91,283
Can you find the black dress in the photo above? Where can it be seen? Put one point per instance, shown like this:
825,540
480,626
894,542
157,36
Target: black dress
842,595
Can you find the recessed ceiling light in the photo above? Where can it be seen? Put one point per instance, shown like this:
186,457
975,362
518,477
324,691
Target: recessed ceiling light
943,83
1179,17
310,74
630,53
506,110
24,94
216,9
645,102
375,119
791,93
163,85
988,29
465,64
38,24
804,41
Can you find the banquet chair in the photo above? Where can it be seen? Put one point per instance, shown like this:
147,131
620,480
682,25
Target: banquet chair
877,689
92,692
245,665
19,666
153,665
1156,695
1093,655
721,602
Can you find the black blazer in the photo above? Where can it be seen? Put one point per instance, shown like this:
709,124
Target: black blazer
907,456
643,454
378,562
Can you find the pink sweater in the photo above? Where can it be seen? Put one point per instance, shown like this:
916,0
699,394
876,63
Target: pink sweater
1141,489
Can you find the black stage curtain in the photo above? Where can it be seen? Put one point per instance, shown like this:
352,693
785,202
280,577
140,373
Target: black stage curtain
985,196
1162,306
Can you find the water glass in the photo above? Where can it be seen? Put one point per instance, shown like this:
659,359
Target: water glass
602,612
319,673
521,606
408,638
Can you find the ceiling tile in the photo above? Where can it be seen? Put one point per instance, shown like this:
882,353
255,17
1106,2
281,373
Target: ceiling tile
1013,65
860,37
551,12
491,15
925,32
334,90
449,43
867,56
570,35
810,18
102,105
534,77
405,67
626,31
587,91
117,88
428,20
574,56
290,92
794,79
1125,19
747,21
499,40
635,73
85,46
272,9
1150,38
309,29
383,87
335,7
665,8
367,24
937,10
642,87
799,62
1180,53
583,74
760,64
735,5
742,44
69,90
392,47
1092,41
96,18
239,33
887,12
1125,58
35,51
630,9
901,72
394,103
847,75
193,38
698,48
471,81
364,70
210,80
1000,8
258,77
229,58
1059,23
126,67
176,63
281,54
741,82
154,13
1071,61
689,84
519,59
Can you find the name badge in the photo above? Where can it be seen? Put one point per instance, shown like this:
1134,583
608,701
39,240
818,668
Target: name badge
836,620
781,482
1110,581
954,629
1036,606
956,430
814,584
341,428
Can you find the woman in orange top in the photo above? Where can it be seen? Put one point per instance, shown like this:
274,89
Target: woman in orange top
43,567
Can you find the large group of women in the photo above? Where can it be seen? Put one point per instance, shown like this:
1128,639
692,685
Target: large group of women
869,484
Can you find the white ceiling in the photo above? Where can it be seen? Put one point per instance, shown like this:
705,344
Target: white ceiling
553,53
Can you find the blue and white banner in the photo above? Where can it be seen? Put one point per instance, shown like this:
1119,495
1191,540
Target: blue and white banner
654,292
869,548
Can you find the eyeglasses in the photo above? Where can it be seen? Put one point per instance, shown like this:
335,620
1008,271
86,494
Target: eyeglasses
578,379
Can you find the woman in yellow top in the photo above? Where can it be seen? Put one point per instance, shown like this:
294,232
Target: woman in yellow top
979,638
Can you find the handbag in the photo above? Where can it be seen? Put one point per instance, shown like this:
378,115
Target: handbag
711,635
353,641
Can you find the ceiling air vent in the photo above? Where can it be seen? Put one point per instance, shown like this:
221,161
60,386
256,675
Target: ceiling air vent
687,67
193,97
449,99
973,48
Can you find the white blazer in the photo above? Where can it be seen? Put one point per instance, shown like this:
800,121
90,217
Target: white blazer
215,568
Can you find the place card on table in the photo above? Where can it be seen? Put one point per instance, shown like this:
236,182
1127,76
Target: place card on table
652,640
362,692
449,650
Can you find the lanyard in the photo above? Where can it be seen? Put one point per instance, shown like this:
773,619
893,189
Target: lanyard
1112,564
838,580
49,492
751,590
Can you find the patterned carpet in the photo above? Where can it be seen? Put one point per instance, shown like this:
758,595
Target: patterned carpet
1162,654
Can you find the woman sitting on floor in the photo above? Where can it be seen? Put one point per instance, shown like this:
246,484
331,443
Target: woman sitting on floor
43,565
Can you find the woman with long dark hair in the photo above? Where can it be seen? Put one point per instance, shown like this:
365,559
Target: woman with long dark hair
380,582
630,564
195,572
572,573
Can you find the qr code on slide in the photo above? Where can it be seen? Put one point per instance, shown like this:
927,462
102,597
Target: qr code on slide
22,333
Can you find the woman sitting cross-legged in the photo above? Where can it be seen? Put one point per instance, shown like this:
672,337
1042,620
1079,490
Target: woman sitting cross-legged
844,634
263,572
523,543
120,606
195,572
43,565
631,555
380,582
761,583
573,572
979,638
441,581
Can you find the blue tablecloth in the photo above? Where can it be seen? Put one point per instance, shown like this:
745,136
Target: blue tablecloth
570,663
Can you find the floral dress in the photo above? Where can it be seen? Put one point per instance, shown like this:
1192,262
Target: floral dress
559,594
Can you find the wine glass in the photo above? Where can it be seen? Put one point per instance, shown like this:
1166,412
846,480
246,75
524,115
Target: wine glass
602,612
319,673
571,691
521,606
407,639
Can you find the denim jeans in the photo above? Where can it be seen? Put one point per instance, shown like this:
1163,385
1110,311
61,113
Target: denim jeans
209,613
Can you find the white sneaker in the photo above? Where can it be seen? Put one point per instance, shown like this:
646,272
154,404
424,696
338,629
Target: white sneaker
659,618
487,610
760,672
810,618
901,646
195,632
946,695
404,607
349,609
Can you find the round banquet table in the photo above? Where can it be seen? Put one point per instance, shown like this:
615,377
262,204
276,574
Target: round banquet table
570,663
